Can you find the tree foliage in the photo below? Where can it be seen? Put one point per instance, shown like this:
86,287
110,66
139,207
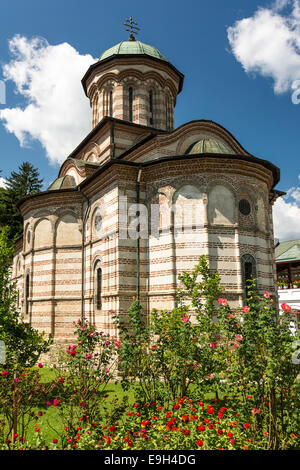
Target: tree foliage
23,344
20,183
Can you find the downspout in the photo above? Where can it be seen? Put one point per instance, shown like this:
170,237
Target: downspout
112,136
84,219
138,269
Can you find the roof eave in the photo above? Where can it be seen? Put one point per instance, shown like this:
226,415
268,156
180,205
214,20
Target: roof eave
116,56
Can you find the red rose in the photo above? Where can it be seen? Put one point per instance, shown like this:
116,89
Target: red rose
55,441
220,432
286,308
199,443
246,425
201,427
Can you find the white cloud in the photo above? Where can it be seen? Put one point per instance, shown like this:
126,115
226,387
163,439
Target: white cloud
2,182
268,43
286,216
56,110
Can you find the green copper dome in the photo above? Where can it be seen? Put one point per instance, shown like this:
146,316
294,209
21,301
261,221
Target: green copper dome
208,146
64,182
132,47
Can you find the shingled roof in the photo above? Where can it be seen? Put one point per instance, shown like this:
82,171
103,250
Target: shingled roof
288,251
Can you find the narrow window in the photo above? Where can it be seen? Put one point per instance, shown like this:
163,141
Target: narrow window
27,294
248,271
130,103
111,104
151,106
98,288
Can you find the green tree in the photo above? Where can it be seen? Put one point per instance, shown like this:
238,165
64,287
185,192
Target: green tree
23,344
260,348
174,350
20,183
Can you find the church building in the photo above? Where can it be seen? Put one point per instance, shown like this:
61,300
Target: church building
138,201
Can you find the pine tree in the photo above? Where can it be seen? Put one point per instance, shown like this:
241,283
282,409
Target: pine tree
19,184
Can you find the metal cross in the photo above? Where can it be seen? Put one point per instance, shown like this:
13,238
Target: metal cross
133,29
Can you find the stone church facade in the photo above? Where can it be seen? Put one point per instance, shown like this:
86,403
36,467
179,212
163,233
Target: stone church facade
137,202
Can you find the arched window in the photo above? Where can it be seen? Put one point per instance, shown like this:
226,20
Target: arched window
248,271
98,286
130,103
27,293
111,104
150,107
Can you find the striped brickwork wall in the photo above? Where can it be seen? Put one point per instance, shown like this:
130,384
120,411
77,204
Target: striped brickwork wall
51,250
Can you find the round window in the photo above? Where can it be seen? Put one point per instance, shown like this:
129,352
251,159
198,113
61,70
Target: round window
244,207
98,221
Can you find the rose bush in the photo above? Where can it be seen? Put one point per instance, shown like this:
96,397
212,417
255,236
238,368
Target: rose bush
185,425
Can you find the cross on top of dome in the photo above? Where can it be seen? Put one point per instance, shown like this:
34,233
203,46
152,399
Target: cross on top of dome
132,28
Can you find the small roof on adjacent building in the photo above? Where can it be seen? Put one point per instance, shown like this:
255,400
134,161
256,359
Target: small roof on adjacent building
288,251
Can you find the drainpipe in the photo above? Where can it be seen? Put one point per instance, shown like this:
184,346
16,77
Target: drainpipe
84,219
138,269
112,136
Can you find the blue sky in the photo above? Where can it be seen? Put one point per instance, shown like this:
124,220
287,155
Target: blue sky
242,77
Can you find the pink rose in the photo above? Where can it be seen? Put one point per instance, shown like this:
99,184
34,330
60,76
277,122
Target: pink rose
185,319
222,302
246,309
40,365
239,337
117,344
5,373
55,402
88,356
267,294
